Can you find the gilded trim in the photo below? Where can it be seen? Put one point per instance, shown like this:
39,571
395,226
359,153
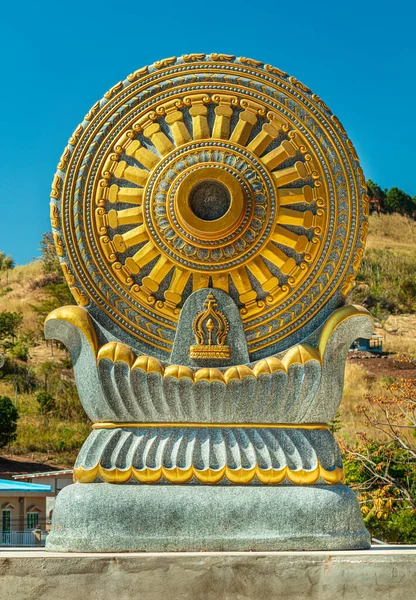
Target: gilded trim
118,352
210,476
79,317
130,425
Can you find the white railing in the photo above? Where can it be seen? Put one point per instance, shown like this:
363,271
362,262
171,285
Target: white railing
22,538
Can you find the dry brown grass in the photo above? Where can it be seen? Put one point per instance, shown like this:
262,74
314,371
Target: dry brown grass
392,232
23,274
358,382
22,295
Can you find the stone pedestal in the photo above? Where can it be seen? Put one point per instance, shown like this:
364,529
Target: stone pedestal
387,573
110,518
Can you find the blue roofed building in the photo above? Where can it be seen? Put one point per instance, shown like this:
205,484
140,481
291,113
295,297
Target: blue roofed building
23,514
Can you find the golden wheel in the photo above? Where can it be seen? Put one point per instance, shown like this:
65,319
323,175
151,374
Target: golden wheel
209,172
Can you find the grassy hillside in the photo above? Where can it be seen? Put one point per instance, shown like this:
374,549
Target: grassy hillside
386,285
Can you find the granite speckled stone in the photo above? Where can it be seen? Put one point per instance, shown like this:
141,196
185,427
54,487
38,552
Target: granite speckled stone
185,337
102,517
210,448
307,392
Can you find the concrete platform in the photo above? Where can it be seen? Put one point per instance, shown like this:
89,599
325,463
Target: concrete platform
385,572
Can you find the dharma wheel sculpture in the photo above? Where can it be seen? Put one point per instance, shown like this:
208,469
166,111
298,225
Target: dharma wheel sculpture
210,215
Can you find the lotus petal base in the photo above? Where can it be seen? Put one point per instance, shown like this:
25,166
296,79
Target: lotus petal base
104,517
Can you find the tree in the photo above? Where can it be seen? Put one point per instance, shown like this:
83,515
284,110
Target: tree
383,470
10,323
376,193
8,421
6,263
398,201
56,289
50,259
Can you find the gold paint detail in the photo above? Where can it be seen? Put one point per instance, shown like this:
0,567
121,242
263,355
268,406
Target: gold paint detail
210,476
210,324
92,112
222,57
59,247
112,91
193,57
275,71
299,84
56,187
338,123
63,161
54,215
250,61
134,425
320,102
79,317
338,317
161,64
137,74
75,136
299,354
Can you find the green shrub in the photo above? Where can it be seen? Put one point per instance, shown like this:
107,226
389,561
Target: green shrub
47,402
8,421
5,291
23,378
387,504
20,350
398,528
60,446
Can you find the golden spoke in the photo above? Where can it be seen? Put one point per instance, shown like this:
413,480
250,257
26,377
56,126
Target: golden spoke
223,114
133,174
284,176
131,238
174,118
262,273
283,236
143,256
128,216
125,194
279,258
198,112
288,216
159,140
295,195
220,281
152,282
245,290
275,157
199,280
268,133
142,154
173,294
246,120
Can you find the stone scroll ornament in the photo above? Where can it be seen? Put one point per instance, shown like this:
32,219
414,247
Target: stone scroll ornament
210,215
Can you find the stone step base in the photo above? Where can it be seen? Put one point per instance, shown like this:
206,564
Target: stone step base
382,572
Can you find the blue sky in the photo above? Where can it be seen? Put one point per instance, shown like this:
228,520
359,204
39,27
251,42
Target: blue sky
58,58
